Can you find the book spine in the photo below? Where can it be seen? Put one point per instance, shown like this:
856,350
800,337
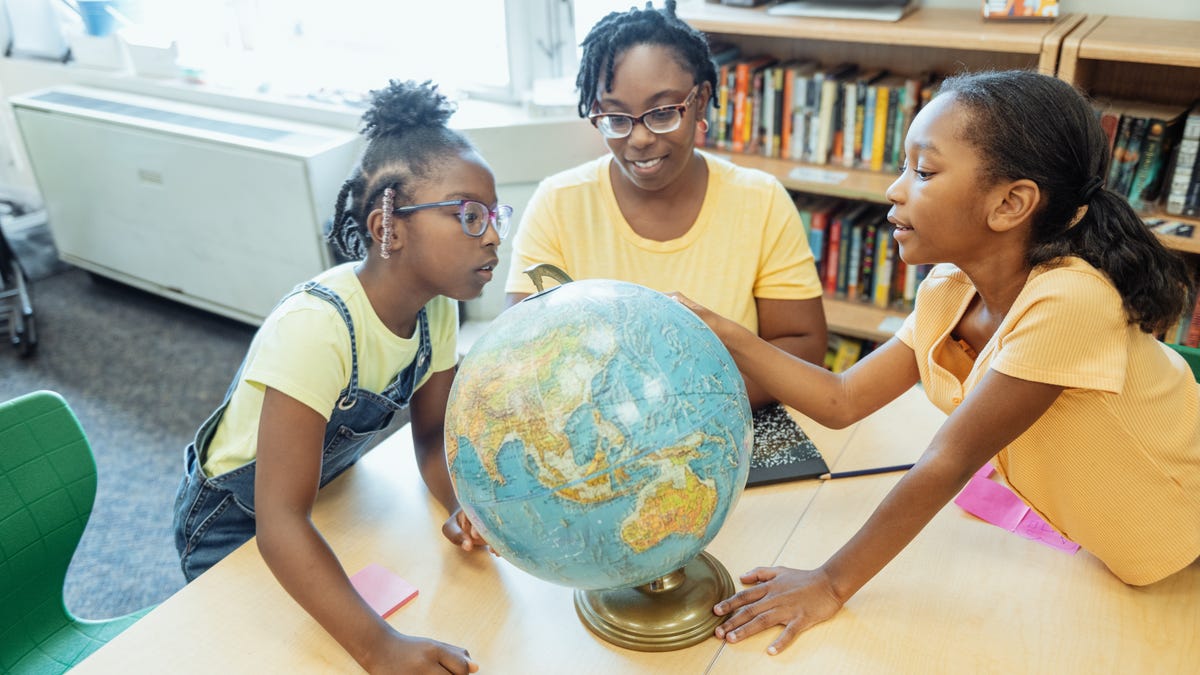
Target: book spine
815,89
1130,157
843,262
1192,338
741,94
881,294
1181,175
767,114
785,113
1122,140
879,134
853,261
868,126
834,256
1143,189
850,106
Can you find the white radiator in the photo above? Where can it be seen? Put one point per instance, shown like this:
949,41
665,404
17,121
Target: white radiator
217,209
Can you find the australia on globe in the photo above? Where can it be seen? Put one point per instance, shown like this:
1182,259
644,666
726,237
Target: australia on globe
598,435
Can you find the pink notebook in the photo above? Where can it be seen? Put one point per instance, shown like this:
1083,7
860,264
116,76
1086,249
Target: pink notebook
383,590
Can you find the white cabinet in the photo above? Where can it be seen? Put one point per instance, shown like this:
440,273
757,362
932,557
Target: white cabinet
217,209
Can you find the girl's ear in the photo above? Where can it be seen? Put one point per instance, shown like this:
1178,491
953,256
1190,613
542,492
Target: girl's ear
376,229
1016,204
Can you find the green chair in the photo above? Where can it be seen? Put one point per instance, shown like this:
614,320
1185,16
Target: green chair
47,489
1192,356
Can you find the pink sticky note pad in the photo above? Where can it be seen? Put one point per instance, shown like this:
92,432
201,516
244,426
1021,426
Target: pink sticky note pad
383,590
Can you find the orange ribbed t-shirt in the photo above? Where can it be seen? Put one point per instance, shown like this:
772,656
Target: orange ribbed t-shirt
1114,464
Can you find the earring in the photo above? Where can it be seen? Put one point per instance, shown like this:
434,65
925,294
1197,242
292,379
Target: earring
703,124
385,242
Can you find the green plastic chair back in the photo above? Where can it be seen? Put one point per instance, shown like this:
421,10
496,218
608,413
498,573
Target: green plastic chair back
1192,356
47,489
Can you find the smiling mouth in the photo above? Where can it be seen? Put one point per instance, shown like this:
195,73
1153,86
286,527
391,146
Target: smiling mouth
647,163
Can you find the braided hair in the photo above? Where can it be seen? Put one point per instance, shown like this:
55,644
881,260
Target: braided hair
619,31
405,128
1028,125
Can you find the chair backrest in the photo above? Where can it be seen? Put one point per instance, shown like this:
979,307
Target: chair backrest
1192,356
47,489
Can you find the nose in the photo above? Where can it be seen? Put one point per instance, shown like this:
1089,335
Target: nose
641,136
895,192
491,234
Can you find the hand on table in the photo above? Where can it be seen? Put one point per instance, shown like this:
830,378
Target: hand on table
405,654
461,532
795,599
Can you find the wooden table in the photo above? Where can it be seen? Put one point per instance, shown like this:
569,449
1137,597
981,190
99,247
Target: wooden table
965,596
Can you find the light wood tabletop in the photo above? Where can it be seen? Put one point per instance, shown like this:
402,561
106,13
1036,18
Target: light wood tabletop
965,594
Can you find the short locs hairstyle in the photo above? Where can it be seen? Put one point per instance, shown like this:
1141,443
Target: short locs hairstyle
619,31
405,128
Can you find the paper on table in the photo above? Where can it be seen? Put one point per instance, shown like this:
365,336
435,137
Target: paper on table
996,504
383,590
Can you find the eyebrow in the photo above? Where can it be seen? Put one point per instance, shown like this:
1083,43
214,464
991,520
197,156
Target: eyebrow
928,147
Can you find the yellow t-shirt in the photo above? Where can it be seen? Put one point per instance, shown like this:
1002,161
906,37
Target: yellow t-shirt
303,350
1114,464
747,241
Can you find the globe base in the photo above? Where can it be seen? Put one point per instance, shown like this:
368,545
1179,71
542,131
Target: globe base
672,612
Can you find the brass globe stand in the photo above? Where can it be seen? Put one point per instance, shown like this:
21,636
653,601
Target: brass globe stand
671,612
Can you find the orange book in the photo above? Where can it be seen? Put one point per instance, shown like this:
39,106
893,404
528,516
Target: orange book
743,79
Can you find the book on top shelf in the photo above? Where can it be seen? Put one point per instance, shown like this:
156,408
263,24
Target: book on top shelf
1148,177
1183,162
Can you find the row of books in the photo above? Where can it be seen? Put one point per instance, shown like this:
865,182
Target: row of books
802,110
857,258
1153,154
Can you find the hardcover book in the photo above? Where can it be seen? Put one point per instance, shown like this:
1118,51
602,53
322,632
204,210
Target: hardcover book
782,451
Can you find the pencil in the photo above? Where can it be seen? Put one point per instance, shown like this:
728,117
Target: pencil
866,472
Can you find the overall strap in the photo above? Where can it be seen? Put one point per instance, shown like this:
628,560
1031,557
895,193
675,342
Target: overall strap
327,294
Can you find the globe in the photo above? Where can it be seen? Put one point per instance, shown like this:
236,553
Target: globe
598,434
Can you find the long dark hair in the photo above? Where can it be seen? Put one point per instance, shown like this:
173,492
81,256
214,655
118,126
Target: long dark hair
619,31
405,128
1037,127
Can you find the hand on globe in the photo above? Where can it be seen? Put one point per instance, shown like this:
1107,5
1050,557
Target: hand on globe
461,532
724,328
795,599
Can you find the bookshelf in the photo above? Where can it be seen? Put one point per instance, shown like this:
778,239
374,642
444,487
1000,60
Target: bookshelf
940,40
1154,60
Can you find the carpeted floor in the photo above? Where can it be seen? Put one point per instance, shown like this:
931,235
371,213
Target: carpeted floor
141,373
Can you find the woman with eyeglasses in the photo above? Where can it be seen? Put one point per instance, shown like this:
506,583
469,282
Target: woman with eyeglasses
657,211
338,357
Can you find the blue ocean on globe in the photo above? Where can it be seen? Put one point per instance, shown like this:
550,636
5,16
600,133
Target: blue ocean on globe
598,434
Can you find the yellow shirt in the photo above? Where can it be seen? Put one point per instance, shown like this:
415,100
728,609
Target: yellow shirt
747,241
303,350
1114,464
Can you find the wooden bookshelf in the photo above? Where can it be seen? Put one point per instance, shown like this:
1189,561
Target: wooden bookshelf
1131,58
862,320
945,40
1190,245
822,179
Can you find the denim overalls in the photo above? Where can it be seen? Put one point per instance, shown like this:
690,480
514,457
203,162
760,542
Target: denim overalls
215,515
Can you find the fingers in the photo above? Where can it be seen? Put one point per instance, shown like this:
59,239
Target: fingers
759,575
747,622
739,600
456,660
790,632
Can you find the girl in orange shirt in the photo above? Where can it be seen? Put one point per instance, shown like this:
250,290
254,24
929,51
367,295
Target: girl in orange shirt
1036,336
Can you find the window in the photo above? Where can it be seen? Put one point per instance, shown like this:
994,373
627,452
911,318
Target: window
485,48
